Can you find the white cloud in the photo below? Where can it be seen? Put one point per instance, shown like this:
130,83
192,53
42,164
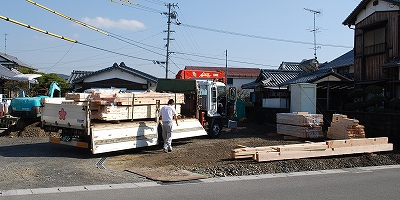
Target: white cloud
124,24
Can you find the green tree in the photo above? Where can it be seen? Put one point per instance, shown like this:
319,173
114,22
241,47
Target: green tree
43,83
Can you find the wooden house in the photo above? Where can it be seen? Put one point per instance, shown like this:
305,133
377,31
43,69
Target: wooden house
376,25
271,86
116,76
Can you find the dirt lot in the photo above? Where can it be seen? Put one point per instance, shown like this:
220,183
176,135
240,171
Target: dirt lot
211,157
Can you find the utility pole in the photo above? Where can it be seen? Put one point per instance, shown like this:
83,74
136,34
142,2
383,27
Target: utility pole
314,30
171,15
226,81
5,43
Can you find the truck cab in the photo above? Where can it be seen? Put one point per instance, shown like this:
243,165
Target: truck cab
209,101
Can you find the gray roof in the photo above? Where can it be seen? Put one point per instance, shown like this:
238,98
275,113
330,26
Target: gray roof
290,66
75,74
122,67
344,60
317,75
394,63
6,73
271,78
13,74
14,60
291,72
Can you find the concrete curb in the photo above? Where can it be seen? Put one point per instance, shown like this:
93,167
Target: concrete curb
209,180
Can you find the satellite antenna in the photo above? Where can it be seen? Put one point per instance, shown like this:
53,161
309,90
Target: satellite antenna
314,30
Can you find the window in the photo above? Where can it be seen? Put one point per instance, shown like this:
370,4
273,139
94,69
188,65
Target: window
374,41
229,81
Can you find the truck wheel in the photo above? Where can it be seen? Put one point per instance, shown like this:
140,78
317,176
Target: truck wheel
20,124
215,129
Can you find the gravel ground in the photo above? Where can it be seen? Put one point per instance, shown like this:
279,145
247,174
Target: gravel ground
33,162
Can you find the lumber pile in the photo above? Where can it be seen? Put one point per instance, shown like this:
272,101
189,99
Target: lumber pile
118,97
313,149
114,104
345,128
300,124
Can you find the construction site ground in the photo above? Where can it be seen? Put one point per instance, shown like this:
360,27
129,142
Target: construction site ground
28,160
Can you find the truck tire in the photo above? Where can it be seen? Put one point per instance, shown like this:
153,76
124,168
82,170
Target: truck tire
215,129
20,124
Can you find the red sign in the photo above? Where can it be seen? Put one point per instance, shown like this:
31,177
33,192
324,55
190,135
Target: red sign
62,114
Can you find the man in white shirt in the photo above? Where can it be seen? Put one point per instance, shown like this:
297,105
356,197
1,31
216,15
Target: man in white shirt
167,115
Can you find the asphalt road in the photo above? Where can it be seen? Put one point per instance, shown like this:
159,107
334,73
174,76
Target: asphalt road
355,183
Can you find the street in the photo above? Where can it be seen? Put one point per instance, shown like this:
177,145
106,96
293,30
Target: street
380,182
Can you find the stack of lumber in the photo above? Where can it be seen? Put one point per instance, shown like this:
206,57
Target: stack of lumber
114,104
313,149
300,124
345,128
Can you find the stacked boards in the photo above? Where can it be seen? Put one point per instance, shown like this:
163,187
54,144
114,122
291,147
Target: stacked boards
114,104
313,149
300,124
345,128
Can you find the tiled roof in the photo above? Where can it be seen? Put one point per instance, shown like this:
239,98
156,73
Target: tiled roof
312,77
6,73
232,71
346,59
291,72
15,75
271,78
121,67
75,74
291,66
15,60
394,63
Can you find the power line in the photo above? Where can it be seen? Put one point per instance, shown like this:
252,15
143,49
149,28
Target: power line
223,59
67,39
136,6
124,39
259,37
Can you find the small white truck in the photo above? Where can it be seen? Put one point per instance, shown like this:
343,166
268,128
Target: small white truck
105,121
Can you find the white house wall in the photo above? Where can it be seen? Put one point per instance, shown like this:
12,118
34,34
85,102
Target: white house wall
115,74
370,9
238,82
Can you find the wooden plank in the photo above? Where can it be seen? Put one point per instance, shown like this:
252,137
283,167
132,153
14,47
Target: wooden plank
248,152
300,131
113,113
287,155
77,96
357,142
300,119
303,147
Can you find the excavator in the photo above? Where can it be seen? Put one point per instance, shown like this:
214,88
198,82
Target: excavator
28,109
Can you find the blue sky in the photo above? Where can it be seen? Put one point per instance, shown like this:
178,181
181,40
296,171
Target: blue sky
256,34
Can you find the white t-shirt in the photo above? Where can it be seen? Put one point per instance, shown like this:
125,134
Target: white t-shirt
167,113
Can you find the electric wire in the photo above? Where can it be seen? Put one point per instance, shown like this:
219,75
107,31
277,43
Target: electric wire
223,59
260,37
136,6
123,39
156,2
69,40
61,58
